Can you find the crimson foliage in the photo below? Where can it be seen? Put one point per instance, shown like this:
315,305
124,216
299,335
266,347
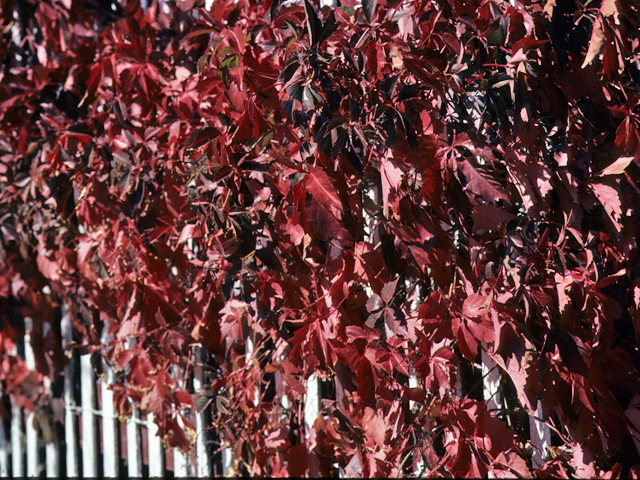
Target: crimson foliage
370,193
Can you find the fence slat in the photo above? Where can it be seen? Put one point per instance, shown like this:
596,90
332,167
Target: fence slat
312,402
110,433
17,441
134,445
52,449
33,452
70,420
89,431
540,435
110,430
4,454
52,455
202,455
491,388
227,459
156,453
181,462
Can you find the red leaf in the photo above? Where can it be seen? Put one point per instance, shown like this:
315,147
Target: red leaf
608,197
475,306
297,460
415,394
388,290
374,426
324,223
597,41
489,217
201,136
391,177
320,186
366,382
616,167
244,132
479,183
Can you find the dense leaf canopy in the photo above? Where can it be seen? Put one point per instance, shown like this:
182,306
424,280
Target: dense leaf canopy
368,193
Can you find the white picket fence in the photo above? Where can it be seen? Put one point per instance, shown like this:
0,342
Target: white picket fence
94,442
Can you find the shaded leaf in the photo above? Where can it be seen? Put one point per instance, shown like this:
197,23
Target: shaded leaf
320,186
368,8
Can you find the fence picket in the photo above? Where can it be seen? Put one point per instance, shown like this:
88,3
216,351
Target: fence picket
181,464
70,419
17,441
540,435
110,430
227,460
52,455
202,456
312,402
134,445
110,434
4,453
156,453
52,449
491,388
33,452
89,430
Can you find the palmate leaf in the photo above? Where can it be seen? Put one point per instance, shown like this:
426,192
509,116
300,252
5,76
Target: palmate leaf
359,172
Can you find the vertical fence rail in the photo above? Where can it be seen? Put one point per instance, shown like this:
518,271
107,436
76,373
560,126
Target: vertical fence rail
202,454
33,452
4,453
70,420
540,435
181,461
110,427
17,441
52,449
89,430
156,453
134,444
491,387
